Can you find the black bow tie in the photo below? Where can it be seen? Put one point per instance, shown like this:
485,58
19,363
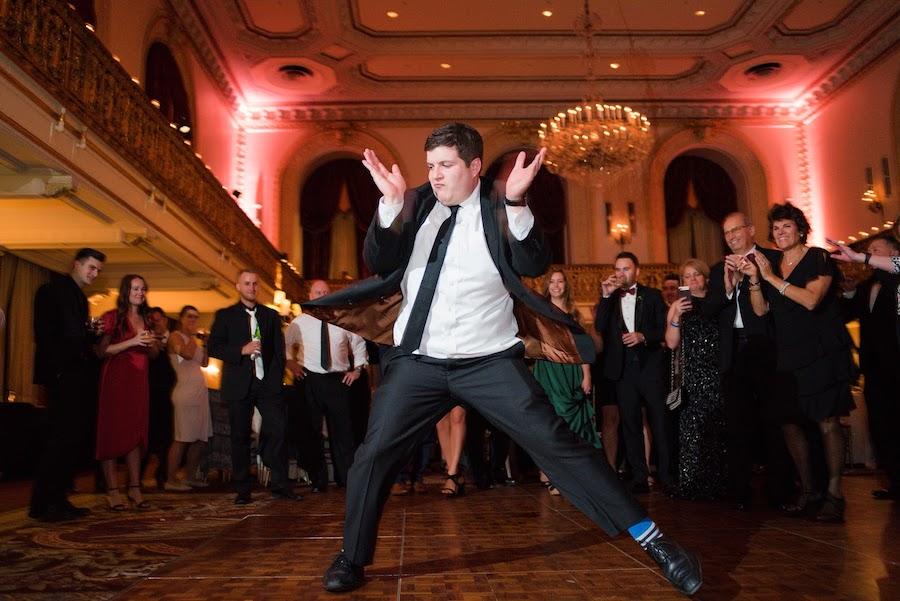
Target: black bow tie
632,290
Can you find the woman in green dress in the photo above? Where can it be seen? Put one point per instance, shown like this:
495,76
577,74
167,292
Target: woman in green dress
567,386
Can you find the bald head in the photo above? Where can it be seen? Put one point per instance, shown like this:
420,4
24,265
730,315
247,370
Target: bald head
739,233
318,289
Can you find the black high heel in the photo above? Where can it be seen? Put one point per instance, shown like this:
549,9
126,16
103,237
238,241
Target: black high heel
458,491
112,505
806,504
832,511
143,504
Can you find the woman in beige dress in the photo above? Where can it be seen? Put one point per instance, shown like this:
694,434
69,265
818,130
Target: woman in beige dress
190,399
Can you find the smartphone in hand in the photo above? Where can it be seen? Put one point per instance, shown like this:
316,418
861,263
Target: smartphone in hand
684,292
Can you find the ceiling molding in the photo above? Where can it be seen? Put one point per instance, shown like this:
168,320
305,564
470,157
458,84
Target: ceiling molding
238,8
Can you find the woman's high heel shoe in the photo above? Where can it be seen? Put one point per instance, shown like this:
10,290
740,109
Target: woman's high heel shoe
458,490
138,504
114,500
806,504
832,511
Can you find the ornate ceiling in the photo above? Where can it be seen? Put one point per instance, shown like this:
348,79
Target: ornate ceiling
313,58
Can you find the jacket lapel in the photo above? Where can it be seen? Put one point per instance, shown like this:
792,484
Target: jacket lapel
638,308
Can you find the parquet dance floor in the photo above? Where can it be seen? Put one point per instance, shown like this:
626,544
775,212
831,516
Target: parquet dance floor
509,543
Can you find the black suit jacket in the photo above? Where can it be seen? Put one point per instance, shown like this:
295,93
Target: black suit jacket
878,345
230,332
649,320
60,330
723,309
370,307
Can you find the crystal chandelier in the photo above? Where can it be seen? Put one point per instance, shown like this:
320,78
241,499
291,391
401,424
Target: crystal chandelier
594,138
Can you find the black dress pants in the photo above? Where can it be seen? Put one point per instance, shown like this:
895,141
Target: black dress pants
882,394
417,391
327,395
67,408
644,384
272,435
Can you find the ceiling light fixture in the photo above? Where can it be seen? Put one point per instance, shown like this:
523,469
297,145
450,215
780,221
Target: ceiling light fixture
392,14
614,65
547,13
594,138
446,65
699,13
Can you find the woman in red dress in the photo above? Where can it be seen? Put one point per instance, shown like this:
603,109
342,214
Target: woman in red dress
123,414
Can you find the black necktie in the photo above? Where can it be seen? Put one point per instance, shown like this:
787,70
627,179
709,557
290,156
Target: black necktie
325,353
415,327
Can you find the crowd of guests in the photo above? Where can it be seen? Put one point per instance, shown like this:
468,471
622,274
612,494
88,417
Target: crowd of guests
742,363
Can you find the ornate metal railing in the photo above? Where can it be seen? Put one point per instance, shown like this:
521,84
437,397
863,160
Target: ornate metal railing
48,41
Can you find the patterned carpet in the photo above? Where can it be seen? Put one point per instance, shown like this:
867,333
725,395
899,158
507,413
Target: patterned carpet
96,557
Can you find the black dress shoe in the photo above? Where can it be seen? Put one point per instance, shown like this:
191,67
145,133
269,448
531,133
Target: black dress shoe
679,567
243,498
886,494
639,488
51,514
343,575
285,493
78,512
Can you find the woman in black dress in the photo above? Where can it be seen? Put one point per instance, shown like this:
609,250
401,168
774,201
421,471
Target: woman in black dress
813,350
695,340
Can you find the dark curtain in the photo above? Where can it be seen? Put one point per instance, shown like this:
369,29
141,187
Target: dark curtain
546,197
715,190
319,201
163,83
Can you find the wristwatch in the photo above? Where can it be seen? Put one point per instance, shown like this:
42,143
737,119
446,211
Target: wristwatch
515,203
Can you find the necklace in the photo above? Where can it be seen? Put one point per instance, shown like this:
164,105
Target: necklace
791,263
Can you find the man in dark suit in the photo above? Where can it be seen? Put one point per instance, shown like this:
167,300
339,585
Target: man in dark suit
631,318
247,338
746,360
874,304
63,337
449,302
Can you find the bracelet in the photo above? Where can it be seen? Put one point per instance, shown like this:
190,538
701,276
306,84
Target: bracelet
674,324
515,203
783,288
866,260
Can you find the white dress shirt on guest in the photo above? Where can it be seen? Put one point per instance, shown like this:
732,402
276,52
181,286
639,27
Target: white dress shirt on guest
629,302
738,318
472,312
305,335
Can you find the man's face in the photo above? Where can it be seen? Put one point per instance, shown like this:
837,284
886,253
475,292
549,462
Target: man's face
738,234
450,178
158,322
247,287
626,273
670,291
881,248
318,289
85,272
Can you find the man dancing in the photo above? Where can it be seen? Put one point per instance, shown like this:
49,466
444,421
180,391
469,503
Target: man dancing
449,302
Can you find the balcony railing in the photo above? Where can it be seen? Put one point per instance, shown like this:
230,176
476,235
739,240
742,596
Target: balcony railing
48,41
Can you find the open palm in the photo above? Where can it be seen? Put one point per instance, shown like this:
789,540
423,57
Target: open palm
522,175
390,183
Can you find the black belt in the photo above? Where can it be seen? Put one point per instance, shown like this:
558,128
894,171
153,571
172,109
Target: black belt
741,335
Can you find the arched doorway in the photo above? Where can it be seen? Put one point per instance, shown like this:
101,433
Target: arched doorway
546,198
165,85
699,193
337,203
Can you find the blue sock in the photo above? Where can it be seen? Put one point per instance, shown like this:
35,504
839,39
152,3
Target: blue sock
644,532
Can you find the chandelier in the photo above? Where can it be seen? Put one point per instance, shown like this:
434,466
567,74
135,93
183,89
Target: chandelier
594,138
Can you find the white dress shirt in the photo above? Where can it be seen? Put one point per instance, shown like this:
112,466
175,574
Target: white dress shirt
738,320
303,343
629,301
472,312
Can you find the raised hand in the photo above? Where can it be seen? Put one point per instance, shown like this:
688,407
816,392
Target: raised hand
846,254
765,268
390,183
522,175
609,285
749,268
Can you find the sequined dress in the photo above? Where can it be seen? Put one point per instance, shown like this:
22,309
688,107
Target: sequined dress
702,472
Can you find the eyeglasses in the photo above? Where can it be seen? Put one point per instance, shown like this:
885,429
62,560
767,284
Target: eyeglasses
735,229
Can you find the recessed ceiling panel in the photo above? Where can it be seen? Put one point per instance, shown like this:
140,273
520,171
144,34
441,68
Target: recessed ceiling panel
278,17
811,14
476,16
520,67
